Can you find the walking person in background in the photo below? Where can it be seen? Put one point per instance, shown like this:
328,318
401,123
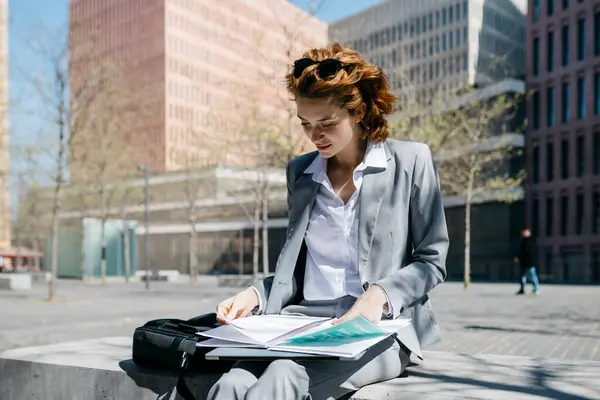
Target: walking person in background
526,261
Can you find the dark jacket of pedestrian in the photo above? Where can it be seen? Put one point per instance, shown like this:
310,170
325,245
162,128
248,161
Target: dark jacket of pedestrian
527,252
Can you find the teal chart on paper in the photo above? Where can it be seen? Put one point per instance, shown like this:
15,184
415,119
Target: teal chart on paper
350,331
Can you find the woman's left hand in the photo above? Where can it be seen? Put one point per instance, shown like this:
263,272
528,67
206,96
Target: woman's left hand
369,305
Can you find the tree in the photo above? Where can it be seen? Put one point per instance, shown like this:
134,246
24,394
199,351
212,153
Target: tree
68,115
192,161
29,222
476,162
268,133
101,154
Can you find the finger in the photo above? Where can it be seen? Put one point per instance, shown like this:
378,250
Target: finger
221,320
342,319
232,313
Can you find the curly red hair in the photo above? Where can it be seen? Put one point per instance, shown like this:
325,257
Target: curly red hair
356,83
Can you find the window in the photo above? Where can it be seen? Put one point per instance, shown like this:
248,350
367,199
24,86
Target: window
565,48
535,164
550,106
580,39
565,4
579,213
597,93
564,214
450,40
536,10
550,50
550,7
443,17
443,42
535,220
536,110
549,216
596,212
564,99
580,98
536,56
549,162
596,153
465,9
597,33
450,15
564,158
580,158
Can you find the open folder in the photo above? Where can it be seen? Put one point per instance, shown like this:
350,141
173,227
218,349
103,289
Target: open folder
309,335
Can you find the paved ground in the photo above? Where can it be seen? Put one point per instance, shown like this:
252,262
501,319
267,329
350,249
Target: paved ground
563,322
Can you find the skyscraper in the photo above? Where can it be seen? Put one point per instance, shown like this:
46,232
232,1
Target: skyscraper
202,68
5,233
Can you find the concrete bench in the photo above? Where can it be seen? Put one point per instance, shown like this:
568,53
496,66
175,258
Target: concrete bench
102,369
15,281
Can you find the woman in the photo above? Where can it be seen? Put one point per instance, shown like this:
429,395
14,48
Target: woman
366,235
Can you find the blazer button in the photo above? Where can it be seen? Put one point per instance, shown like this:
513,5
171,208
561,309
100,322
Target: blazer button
365,286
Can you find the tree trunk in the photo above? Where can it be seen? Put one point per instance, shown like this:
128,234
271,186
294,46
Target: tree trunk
256,241
193,248
56,206
82,251
126,251
103,235
467,279
54,261
36,249
265,225
468,200
103,255
18,256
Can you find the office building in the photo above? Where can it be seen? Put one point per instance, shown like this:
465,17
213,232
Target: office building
5,232
203,69
563,137
439,44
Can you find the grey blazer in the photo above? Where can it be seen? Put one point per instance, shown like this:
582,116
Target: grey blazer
403,238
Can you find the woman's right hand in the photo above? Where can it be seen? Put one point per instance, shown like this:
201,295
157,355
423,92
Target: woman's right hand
237,306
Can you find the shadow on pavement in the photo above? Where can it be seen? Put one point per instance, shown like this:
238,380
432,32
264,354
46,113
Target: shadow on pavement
533,331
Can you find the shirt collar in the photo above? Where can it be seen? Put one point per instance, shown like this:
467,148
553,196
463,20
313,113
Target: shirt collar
374,157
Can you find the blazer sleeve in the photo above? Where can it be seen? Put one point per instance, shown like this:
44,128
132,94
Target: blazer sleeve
262,287
430,240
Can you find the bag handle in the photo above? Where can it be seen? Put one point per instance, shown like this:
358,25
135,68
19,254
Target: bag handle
182,389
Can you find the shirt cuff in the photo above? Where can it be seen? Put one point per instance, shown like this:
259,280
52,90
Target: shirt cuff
258,309
388,311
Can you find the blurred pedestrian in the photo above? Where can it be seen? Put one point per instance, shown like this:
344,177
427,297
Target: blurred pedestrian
526,261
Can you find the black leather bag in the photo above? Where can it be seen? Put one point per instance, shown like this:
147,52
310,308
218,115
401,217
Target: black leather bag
171,344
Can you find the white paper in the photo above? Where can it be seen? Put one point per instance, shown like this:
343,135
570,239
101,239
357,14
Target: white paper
260,329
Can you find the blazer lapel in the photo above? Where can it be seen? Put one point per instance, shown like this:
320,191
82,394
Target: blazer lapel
372,192
305,192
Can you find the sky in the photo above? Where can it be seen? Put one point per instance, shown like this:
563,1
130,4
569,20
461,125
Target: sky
46,21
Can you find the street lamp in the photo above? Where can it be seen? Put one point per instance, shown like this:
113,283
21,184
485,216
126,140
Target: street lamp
144,169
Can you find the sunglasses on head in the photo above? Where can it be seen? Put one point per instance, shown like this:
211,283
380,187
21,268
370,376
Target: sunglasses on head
326,68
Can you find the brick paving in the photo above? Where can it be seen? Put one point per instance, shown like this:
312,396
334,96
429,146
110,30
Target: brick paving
562,322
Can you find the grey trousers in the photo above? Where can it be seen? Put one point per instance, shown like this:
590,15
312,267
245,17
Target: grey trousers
311,380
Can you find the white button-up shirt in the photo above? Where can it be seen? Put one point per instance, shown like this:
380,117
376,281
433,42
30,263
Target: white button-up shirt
332,232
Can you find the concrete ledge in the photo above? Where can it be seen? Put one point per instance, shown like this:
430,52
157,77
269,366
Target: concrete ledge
102,369
15,281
